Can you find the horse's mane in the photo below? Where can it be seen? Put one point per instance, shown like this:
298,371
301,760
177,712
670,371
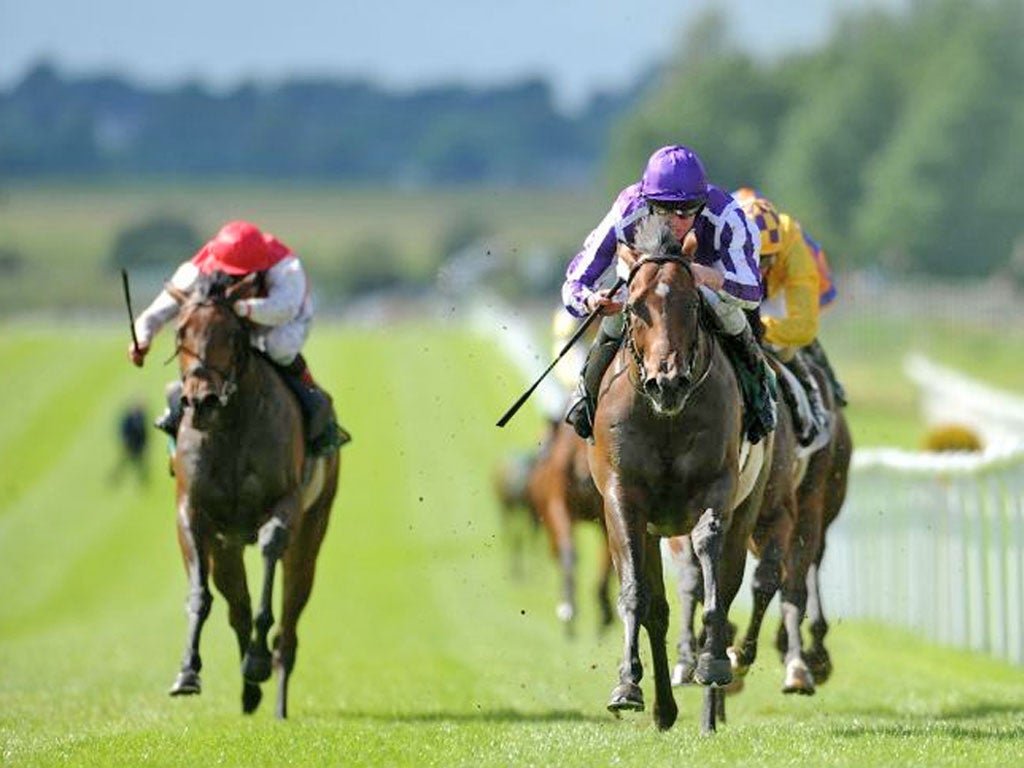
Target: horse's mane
210,288
654,237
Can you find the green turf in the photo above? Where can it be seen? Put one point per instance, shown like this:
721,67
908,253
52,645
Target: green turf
417,647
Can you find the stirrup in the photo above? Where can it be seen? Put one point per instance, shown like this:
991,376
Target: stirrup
330,440
820,434
578,417
168,422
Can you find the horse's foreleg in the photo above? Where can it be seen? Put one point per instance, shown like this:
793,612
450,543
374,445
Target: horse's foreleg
604,601
194,553
626,538
690,589
817,655
558,522
273,539
802,549
713,666
297,571
766,582
228,570
665,709
567,607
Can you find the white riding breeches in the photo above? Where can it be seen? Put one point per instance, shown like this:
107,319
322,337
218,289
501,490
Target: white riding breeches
730,316
283,342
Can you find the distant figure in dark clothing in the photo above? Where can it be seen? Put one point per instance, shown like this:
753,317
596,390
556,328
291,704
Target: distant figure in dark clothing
133,433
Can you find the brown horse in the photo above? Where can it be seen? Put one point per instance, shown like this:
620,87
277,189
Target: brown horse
803,497
823,488
562,493
510,480
239,467
769,542
667,462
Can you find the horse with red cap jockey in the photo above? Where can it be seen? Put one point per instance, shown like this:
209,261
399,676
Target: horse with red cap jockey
279,317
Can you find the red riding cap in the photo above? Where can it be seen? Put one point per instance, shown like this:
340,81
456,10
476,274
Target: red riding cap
239,249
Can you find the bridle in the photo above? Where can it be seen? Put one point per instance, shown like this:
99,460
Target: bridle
630,344
201,368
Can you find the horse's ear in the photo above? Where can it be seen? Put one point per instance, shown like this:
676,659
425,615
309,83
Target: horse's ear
176,293
244,288
627,255
690,243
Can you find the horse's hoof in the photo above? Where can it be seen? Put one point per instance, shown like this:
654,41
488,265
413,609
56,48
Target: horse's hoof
565,612
798,679
665,715
682,674
256,667
712,672
251,697
626,697
735,686
186,684
738,661
820,665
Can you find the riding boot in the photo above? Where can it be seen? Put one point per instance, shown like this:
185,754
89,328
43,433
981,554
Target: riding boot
817,432
323,433
818,356
756,380
583,405
170,419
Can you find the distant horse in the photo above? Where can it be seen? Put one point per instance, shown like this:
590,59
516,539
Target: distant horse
667,462
802,499
510,481
562,493
239,466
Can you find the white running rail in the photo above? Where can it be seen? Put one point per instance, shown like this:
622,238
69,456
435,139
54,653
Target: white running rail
933,542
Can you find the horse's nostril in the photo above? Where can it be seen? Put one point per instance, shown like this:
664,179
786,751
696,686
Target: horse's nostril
651,385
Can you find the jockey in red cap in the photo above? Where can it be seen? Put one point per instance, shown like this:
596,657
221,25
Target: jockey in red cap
280,319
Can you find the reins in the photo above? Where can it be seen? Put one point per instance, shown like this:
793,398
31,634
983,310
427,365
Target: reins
637,379
239,358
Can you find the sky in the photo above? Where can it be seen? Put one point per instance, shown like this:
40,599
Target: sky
579,46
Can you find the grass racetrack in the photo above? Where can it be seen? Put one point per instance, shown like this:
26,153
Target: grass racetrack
417,648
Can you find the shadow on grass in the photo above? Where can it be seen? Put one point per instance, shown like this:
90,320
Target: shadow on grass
975,711
952,730
502,716
952,722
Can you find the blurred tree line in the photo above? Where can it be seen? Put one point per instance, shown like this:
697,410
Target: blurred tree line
52,125
898,142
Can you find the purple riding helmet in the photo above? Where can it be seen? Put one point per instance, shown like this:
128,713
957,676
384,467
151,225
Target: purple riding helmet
675,174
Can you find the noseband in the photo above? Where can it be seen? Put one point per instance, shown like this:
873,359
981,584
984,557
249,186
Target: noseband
641,376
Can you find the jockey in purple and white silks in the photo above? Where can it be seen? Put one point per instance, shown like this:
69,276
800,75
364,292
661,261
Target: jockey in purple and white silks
725,267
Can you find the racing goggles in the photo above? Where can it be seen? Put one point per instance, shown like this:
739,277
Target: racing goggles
685,209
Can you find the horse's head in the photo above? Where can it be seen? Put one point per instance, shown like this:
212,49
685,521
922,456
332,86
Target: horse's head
212,344
662,316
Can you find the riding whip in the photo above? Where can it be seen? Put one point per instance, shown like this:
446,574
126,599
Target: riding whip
128,301
568,345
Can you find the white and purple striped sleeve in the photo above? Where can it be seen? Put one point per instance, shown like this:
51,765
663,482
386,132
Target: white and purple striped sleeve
590,264
737,247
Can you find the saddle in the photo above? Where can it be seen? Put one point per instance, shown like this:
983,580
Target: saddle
799,401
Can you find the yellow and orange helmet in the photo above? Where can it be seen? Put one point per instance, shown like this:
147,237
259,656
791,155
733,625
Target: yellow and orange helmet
761,211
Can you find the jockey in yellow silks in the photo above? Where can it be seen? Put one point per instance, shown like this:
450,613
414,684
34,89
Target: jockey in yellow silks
798,285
